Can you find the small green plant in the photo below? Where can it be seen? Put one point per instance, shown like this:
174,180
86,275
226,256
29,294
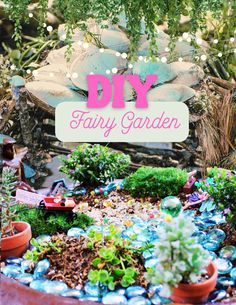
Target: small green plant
221,186
41,249
153,181
7,201
43,222
117,262
93,165
181,258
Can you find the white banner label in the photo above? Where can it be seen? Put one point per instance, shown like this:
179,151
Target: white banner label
160,122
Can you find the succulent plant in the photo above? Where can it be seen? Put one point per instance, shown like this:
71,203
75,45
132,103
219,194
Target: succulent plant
181,258
7,201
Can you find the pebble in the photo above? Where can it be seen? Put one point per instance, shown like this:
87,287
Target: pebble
211,245
11,271
213,255
217,296
156,300
201,236
44,238
233,273
90,298
41,268
39,284
225,282
228,252
92,290
26,265
151,263
12,260
139,301
224,266
55,287
113,298
217,235
134,291
75,232
25,278
152,289
148,253
73,293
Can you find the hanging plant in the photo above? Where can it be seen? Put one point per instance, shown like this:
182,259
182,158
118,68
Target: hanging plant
138,14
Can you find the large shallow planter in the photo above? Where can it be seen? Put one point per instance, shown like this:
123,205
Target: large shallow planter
17,244
14,293
196,293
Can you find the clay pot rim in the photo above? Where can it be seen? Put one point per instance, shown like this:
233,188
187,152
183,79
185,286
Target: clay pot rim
19,234
213,277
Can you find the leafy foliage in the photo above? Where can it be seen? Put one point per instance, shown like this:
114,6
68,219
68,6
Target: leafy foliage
221,186
43,222
7,201
181,258
154,181
93,165
137,12
117,261
40,249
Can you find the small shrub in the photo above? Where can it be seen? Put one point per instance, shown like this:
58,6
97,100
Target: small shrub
221,186
181,258
93,165
43,222
153,181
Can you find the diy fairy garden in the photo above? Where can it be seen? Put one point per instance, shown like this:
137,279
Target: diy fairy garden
155,236
113,231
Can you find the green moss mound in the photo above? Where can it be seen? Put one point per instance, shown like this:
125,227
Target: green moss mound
43,222
156,182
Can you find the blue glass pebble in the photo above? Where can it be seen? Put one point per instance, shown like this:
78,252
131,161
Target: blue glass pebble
228,252
44,238
121,291
11,271
212,255
90,298
217,296
152,289
218,219
134,291
25,278
41,268
148,253
233,273
55,287
39,284
201,236
156,299
217,235
73,293
211,245
224,266
151,263
12,260
113,298
139,301
26,265
75,232
92,290
225,282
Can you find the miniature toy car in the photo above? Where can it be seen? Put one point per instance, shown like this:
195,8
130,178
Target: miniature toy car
57,204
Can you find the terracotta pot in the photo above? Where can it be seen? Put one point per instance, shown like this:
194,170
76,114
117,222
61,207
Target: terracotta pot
17,244
196,293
